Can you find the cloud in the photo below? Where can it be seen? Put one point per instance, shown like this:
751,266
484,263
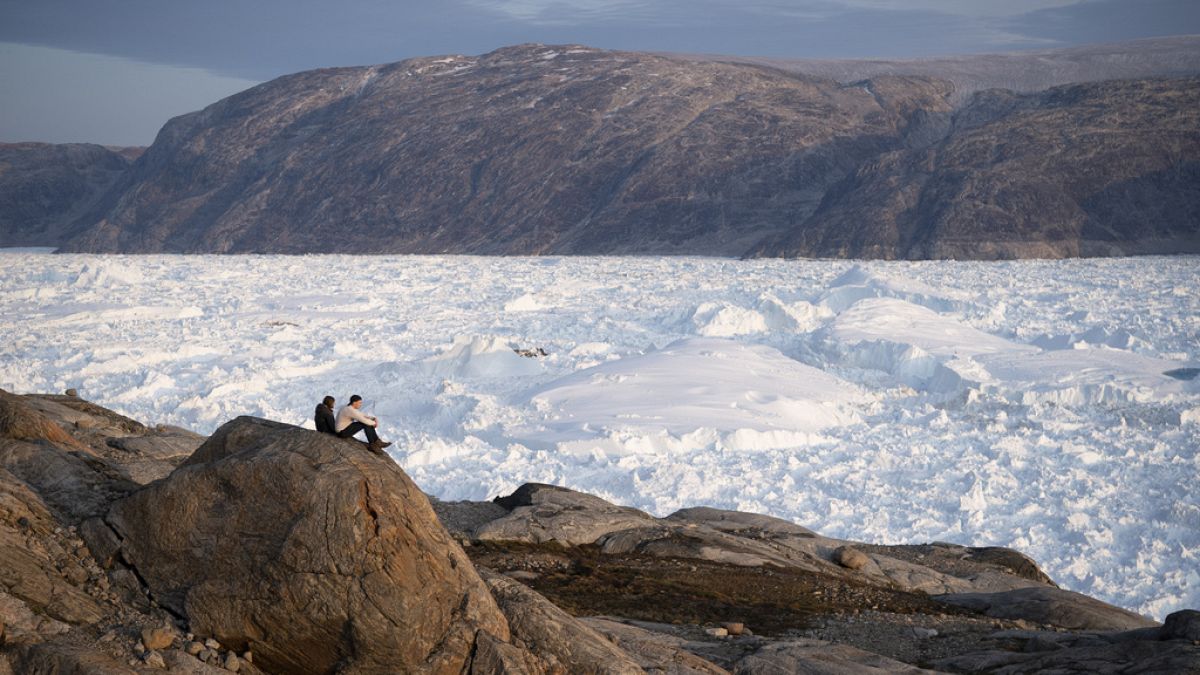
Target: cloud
664,12
977,8
570,11
583,11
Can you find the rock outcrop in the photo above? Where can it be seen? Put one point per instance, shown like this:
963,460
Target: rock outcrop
273,549
546,513
654,652
44,188
65,473
814,656
1023,624
55,598
1050,606
542,513
308,551
1147,650
560,641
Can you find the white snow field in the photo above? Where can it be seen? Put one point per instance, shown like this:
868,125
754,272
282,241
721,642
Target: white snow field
1050,406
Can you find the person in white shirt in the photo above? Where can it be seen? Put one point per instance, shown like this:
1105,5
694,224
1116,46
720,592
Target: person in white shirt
351,420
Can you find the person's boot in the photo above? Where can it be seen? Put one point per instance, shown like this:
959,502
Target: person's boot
376,446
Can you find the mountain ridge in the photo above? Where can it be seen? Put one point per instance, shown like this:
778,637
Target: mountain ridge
537,149
1022,72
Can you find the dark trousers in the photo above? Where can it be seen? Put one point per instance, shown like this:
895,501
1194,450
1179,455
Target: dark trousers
356,427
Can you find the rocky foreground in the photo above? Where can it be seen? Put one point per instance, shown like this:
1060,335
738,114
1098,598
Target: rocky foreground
274,549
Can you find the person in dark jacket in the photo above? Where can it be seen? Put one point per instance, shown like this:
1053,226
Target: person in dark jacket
323,417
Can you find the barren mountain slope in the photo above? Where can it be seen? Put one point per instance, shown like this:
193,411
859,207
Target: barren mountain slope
1029,71
528,149
44,187
1107,168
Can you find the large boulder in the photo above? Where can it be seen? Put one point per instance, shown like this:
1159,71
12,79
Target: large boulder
563,643
1142,650
37,450
1050,606
21,422
153,455
543,513
309,551
61,657
655,652
1182,625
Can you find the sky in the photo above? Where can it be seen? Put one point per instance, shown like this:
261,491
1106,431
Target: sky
114,71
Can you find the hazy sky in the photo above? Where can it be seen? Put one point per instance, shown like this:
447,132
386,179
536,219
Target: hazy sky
113,71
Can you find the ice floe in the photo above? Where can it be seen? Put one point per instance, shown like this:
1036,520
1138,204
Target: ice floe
1052,406
751,391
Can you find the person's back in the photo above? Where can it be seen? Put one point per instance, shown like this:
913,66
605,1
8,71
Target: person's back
323,416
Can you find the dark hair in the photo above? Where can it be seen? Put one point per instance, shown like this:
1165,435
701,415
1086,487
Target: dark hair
328,401
355,397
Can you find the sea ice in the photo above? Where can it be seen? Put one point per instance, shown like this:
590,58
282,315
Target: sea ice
1051,406
696,383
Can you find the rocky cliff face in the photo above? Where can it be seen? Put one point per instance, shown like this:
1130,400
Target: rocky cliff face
44,188
528,149
1099,169
569,150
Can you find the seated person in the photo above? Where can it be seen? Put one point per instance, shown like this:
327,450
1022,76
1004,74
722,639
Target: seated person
323,417
351,420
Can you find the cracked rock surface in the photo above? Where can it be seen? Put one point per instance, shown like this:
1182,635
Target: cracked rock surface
310,552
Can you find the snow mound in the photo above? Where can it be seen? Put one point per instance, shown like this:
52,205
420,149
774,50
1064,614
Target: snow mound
1093,337
919,347
107,275
860,282
726,319
480,357
700,383
1079,377
526,303
892,320
722,319
798,316
910,365
935,353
